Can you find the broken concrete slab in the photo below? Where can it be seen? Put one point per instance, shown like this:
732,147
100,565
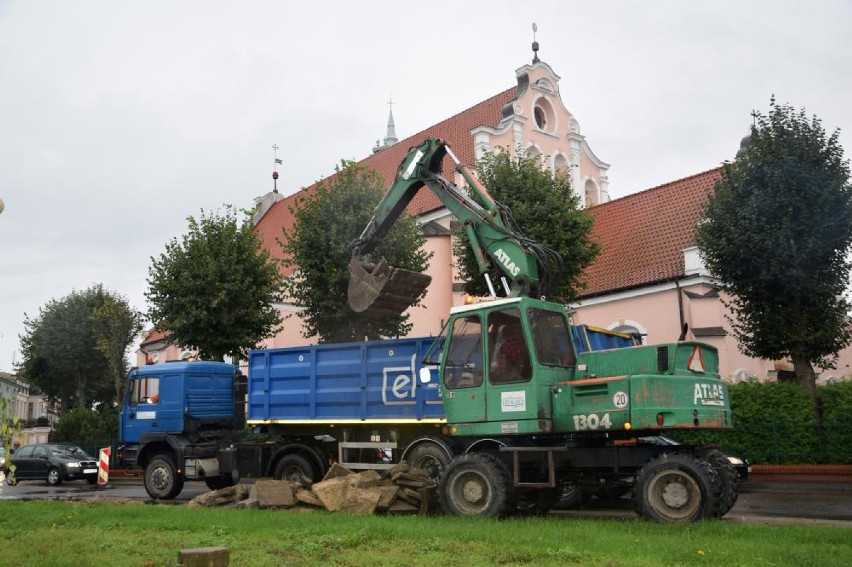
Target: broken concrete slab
274,494
221,497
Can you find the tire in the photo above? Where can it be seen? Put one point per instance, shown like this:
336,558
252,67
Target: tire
11,479
293,467
161,479
729,481
676,487
430,457
476,484
571,494
54,477
92,480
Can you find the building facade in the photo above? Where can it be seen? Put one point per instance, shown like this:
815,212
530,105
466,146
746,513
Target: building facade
26,403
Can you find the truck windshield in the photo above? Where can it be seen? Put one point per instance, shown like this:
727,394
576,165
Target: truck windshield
463,365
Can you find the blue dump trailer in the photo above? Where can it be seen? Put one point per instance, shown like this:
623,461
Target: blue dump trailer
587,338
342,384
298,411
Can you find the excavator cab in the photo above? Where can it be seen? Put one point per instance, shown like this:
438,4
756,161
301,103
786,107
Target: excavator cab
380,289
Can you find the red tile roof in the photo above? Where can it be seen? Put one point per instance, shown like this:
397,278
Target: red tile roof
455,130
154,336
643,235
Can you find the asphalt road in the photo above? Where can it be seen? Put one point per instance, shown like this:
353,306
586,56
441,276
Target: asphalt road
759,502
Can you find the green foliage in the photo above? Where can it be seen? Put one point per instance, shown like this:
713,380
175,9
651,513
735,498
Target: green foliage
85,427
115,325
75,347
774,424
545,209
10,426
318,246
214,289
777,234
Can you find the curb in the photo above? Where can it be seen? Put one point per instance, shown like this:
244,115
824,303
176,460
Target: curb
802,473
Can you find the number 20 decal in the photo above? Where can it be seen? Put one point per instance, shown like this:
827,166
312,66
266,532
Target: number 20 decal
592,421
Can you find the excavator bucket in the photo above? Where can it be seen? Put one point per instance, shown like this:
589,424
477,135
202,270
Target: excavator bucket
379,289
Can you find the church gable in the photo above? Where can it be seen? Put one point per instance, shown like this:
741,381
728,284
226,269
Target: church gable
538,123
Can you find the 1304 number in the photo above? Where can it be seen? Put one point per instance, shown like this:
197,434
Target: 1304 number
592,421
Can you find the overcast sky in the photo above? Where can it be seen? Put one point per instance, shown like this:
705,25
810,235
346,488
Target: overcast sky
120,119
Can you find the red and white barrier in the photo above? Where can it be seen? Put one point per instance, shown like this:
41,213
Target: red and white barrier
103,466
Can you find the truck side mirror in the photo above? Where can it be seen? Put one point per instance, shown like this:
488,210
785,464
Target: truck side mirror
425,375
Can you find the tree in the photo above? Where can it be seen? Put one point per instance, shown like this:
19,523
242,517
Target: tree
62,347
10,426
115,326
214,289
327,222
87,427
777,234
545,209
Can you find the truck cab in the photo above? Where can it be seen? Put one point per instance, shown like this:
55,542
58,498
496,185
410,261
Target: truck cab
176,397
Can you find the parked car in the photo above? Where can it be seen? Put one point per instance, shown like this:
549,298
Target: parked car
52,462
2,458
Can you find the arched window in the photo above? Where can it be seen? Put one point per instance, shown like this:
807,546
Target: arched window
591,192
629,327
533,152
560,164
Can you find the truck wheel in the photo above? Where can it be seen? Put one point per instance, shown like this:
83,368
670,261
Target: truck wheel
676,488
429,457
293,467
476,484
161,479
571,494
54,477
729,481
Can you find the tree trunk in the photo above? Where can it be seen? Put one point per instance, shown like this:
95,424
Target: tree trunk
806,377
82,402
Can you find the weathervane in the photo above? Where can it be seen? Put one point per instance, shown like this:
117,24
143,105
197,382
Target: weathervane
535,45
275,167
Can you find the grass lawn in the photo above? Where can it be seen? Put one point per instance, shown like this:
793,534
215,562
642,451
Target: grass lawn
83,534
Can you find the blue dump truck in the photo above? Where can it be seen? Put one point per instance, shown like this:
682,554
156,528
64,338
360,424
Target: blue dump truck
298,411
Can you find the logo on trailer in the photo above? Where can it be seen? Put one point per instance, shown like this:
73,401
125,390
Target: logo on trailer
398,384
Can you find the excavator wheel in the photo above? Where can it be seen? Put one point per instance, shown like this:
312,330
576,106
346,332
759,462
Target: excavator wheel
379,289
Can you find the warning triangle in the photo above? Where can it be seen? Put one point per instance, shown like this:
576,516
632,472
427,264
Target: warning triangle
696,362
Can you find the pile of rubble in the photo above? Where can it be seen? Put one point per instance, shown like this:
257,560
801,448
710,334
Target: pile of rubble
399,490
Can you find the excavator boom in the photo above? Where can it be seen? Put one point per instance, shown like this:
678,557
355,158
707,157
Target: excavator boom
379,289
